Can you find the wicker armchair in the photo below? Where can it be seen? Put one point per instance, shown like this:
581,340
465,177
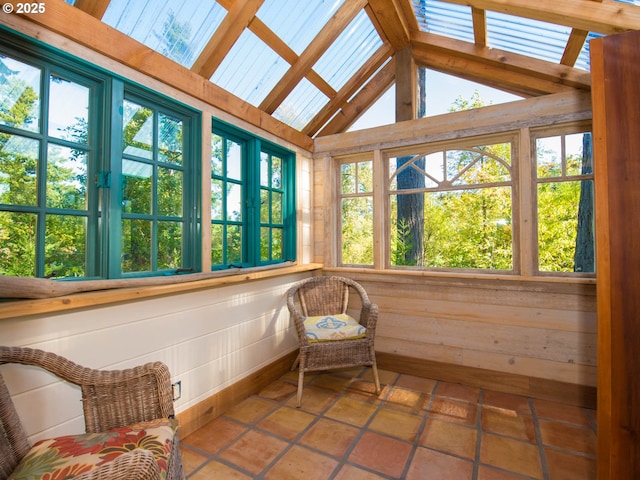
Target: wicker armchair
128,404
322,302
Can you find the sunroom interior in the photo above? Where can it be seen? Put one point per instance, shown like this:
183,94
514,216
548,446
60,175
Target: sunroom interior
220,154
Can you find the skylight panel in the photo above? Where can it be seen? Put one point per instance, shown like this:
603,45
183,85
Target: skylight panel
355,45
302,104
541,40
250,70
297,22
178,29
447,19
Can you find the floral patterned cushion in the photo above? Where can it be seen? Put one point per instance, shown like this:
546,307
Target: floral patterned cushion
71,455
333,327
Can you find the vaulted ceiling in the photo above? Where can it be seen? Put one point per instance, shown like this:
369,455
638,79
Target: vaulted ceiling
314,66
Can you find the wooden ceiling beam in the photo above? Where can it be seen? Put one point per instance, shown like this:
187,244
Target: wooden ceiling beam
359,104
573,47
334,27
95,8
506,70
225,36
390,17
101,38
351,87
600,17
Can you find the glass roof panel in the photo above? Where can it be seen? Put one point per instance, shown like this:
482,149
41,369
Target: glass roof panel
445,19
302,104
355,45
297,22
541,40
179,29
250,70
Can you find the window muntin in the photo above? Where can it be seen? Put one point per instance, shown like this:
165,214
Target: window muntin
74,204
564,202
356,212
452,208
252,200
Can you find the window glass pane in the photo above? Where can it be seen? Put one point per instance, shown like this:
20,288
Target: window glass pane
462,229
234,202
17,244
169,139
573,153
217,244
549,157
357,230
136,188
478,166
216,199
138,130
234,160
276,172
265,241
136,245
234,244
348,178
276,207
18,170
169,245
66,178
169,192
68,110
365,177
265,206
264,169
276,244
65,246
19,95
565,226
216,155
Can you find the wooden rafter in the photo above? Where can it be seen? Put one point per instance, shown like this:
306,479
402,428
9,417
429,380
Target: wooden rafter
366,97
600,17
234,23
574,47
365,73
95,8
311,54
505,70
479,18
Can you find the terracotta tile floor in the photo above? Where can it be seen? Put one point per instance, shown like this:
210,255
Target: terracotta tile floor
416,429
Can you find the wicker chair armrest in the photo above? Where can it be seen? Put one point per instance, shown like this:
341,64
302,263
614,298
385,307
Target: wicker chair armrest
111,398
138,464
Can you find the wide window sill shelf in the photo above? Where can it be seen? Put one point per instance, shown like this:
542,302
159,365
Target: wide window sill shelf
26,307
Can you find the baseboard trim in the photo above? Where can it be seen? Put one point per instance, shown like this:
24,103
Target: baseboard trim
567,393
204,412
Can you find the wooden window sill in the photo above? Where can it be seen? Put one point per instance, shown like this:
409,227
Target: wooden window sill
25,307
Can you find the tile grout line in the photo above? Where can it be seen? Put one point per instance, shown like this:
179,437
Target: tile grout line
536,425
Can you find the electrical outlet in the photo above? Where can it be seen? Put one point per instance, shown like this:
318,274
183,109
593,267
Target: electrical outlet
177,390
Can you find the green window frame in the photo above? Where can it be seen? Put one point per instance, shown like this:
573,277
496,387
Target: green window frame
252,200
64,164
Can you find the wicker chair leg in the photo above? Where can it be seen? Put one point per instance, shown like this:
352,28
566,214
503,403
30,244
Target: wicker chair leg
376,378
300,384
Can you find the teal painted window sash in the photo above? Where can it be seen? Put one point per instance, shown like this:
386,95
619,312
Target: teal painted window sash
252,200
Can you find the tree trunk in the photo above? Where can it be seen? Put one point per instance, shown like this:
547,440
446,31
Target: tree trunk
584,257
